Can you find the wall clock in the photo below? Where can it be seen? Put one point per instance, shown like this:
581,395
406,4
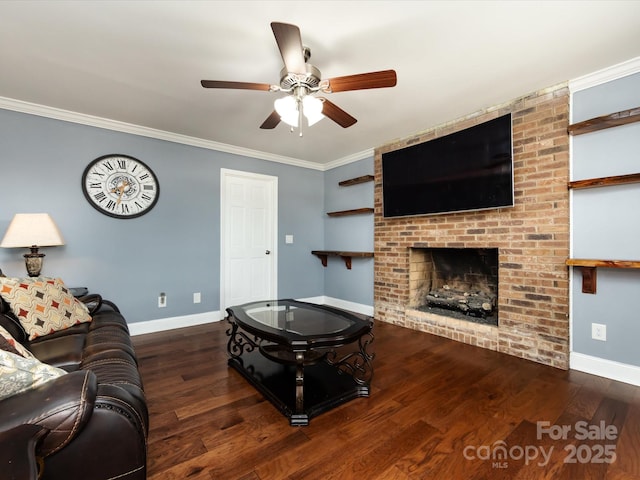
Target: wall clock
120,186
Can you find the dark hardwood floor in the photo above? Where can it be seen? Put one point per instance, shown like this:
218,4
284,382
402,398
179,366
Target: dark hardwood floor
438,409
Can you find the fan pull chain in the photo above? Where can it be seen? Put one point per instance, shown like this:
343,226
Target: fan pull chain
300,117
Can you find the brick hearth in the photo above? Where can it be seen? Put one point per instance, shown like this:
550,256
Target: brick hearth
532,239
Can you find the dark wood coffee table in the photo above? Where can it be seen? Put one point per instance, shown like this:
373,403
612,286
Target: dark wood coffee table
304,358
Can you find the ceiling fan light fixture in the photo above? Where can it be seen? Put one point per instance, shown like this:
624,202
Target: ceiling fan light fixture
312,109
301,81
287,108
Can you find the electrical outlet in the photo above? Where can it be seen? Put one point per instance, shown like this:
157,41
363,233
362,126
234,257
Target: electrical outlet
196,297
599,332
162,300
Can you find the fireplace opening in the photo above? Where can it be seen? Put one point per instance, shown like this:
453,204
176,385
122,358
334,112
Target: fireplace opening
456,282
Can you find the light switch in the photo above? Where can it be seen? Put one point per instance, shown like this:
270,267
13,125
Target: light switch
288,239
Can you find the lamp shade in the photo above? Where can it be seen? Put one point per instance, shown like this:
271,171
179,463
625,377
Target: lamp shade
287,108
29,229
312,108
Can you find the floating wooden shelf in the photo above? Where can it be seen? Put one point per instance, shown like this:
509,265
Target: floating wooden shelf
581,262
589,269
346,256
355,211
356,181
587,266
606,121
606,181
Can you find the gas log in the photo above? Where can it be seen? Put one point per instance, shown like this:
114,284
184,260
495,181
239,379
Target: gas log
478,304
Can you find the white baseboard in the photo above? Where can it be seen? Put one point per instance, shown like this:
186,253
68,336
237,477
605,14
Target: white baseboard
621,372
338,303
162,324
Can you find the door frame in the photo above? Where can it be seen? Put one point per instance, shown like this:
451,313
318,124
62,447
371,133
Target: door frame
272,181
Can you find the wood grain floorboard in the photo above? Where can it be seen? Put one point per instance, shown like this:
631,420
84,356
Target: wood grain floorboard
438,409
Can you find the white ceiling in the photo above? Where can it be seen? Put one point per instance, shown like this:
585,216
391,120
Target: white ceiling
141,62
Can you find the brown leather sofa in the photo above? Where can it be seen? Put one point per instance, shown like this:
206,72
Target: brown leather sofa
91,423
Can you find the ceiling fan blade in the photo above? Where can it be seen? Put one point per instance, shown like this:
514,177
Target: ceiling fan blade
336,114
290,45
236,85
272,121
362,81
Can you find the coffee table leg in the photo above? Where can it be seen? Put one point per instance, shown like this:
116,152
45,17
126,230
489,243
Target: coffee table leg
299,382
299,417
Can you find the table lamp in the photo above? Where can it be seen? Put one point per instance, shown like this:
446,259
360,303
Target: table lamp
32,230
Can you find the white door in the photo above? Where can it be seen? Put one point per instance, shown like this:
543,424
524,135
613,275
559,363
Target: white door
248,237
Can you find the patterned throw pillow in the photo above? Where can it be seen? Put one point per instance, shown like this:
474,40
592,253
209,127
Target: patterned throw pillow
9,344
18,374
43,305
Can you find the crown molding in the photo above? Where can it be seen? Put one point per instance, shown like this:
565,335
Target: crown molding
605,75
115,125
349,159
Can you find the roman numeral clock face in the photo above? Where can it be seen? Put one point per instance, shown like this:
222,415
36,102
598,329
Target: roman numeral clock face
120,186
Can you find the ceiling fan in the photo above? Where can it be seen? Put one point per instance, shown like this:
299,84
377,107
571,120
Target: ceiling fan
302,81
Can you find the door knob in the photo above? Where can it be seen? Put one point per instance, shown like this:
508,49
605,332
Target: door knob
267,252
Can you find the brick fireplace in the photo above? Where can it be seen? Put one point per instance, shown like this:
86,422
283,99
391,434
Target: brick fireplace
530,241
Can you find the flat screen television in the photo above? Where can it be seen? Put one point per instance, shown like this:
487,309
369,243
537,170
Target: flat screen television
467,170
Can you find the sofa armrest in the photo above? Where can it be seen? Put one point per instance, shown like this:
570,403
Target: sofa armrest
18,452
93,301
62,406
112,305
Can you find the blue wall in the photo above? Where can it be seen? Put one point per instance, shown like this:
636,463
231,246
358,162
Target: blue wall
175,248
606,223
352,233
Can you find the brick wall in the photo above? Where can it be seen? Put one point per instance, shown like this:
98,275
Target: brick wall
532,239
